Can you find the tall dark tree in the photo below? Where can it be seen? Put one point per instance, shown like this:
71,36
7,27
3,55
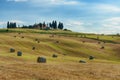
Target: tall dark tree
40,24
55,25
60,25
50,25
44,24
11,25
8,24
14,25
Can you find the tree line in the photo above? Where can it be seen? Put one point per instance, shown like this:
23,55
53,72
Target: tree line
11,25
52,25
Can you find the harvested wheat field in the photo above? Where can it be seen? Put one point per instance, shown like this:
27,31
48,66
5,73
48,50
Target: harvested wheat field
19,54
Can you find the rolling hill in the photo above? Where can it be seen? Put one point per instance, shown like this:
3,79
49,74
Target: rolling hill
71,47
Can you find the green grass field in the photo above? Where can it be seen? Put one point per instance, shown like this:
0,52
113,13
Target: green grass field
69,48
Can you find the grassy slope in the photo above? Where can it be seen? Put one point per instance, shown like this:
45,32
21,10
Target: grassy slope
71,46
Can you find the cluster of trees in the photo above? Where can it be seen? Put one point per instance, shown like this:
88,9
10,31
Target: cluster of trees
51,25
54,25
11,25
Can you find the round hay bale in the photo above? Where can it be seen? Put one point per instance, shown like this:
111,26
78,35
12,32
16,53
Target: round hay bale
91,57
36,39
57,41
14,36
54,56
83,41
64,54
41,60
99,42
22,37
12,50
33,48
102,47
19,33
82,61
19,53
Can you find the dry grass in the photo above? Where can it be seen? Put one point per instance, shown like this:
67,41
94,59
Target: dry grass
106,65
62,71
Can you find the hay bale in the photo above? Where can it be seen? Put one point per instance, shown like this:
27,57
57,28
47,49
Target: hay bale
19,53
54,56
64,54
57,41
12,50
41,60
82,61
14,36
19,33
22,37
36,39
99,42
91,57
33,48
83,41
102,47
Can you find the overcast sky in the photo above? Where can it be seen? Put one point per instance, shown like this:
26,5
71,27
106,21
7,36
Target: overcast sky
91,16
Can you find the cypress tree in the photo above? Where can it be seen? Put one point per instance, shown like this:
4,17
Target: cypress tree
8,25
